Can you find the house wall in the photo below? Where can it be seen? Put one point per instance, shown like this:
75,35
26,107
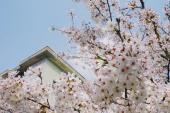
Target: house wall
50,71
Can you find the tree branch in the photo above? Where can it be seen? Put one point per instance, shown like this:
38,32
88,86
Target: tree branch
126,94
95,45
109,9
142,4
98,10
155,28
40,103
168,73
72,18
168,33
40,77
121,104
118,30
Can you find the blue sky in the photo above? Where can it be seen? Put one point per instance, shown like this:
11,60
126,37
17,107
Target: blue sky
24,26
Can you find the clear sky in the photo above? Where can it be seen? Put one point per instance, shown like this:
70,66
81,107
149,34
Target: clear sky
24,26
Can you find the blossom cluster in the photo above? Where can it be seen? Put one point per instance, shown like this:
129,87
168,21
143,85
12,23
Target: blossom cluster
131,57
129,51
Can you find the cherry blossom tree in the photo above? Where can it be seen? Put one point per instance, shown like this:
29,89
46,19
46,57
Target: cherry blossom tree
127,46
23,94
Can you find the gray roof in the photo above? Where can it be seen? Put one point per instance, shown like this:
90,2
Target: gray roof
48,53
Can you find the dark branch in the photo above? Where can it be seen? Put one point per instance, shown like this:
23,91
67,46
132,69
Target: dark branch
97,8
109,9
40,77
168,73
155,28
167,14
78,110
118,30
72,18
47,106
96,45
142,4
48,103
163,99
126,94
121,104
167,33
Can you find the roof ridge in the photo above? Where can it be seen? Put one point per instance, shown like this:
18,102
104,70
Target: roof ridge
46,52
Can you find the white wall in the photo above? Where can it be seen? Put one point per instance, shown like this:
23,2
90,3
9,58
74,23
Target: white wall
49,73
49,70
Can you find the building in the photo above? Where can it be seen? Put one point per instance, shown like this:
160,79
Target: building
51,65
